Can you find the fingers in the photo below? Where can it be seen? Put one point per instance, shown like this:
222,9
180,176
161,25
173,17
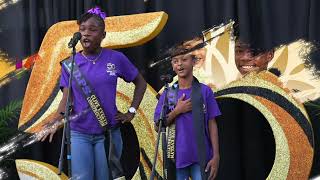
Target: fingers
128,117
207,167
212,170
51,136
119,116
214,174
44,137
211,173
187,107
123,118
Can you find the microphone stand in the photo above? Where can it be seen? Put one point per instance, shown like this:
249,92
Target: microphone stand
162,132
66,137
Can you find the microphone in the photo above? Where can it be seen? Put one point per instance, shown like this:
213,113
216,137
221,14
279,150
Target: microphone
160,62
198,46
74,40
168,58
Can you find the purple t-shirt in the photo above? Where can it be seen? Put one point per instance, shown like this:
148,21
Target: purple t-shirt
102,77
186,146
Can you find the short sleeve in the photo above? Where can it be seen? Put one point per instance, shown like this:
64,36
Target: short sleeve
126,70
64,78
157,112
212,105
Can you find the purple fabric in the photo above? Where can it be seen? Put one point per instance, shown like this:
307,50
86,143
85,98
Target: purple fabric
98,12
102,77
186,147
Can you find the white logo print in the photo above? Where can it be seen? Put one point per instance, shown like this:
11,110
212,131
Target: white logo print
111,69
204,109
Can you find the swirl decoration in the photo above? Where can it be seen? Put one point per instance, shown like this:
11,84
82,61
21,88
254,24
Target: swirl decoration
42,95
288,120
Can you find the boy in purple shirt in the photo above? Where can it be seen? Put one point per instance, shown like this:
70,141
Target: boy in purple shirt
101,67
186,156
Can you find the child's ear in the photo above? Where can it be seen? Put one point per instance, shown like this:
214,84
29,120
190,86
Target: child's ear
270,55
194,60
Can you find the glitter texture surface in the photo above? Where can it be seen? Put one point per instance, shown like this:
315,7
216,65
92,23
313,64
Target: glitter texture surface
37,170
301,153
130,30
281,164
294,151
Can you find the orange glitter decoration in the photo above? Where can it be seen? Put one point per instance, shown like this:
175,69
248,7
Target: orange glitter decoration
301,152
46,71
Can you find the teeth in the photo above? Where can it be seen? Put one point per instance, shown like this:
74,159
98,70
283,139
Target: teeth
247,67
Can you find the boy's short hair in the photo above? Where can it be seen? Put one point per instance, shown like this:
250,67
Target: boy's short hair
196,38
179,50
84,17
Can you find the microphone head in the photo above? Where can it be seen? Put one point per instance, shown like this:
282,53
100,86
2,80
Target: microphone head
77,35
74,40
159,62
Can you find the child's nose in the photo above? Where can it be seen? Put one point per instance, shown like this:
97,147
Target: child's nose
85,33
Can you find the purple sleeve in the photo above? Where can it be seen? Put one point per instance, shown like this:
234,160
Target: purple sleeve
157,111
212,105
64,78
127,71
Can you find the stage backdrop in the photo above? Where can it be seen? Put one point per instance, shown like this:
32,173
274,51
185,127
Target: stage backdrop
264,24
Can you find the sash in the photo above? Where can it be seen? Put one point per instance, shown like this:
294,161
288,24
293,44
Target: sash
86,90
170,166
172,97
198,124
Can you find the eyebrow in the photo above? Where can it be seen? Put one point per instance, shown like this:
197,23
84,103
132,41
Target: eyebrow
91,25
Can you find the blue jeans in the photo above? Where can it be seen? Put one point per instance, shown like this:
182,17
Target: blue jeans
192,171
88,155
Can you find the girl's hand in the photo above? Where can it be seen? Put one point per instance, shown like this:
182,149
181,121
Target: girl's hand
124,117
49,130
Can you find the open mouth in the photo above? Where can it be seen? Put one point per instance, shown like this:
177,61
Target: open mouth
86,42
248,68
180,70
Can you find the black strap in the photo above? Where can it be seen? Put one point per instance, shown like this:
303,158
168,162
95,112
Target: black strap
199,124
115,166
86,90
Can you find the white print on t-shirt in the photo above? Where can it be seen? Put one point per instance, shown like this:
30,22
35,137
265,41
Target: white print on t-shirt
204,109
111,69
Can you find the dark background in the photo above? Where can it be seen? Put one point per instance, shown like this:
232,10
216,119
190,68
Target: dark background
264,23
